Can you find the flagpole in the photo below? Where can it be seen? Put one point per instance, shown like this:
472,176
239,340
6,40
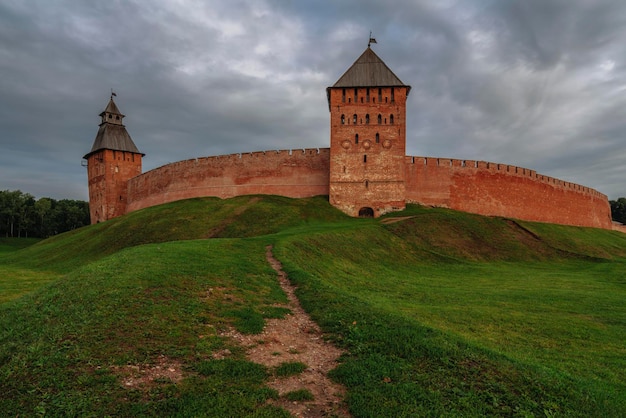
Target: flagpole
371,41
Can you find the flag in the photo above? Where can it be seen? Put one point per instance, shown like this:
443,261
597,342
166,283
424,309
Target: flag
372,40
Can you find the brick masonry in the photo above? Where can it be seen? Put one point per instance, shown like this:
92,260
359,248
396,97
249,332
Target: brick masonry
364,172
367,149
108,172
293,173
472,186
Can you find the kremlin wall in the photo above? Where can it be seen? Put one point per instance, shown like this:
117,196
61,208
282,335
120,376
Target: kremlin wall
365,172
470,186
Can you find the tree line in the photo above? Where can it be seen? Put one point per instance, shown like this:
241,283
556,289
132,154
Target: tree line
21,215
618,209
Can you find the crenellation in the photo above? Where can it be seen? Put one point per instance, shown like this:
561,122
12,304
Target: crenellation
365,172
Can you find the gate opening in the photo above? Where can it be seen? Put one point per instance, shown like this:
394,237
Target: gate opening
366,213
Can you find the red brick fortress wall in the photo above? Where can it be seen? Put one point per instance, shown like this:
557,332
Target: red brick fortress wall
502,190
292,173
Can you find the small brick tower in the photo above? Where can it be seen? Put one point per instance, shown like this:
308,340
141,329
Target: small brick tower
367,138
112,161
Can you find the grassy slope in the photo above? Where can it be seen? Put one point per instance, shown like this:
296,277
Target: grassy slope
443,313
536,329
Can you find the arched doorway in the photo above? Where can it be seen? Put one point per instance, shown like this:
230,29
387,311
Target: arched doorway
366,213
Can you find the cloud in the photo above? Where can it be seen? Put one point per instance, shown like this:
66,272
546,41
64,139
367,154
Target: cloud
535,83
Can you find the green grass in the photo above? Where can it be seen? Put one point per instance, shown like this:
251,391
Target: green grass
289,369
299,395
8,245
17,281
442,314
433,332
60,344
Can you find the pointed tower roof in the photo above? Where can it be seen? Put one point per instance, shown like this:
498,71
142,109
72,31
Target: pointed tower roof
112,108
112,133
369,71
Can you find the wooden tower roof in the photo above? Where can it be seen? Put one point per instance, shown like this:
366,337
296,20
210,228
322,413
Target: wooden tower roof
368,71
112,133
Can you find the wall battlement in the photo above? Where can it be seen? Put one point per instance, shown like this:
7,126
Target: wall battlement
293,172
365,171
495,189
506,168
481,187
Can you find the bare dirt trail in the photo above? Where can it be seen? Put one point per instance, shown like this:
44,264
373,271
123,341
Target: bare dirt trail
296,338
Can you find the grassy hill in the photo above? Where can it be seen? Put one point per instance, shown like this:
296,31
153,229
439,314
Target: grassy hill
441,312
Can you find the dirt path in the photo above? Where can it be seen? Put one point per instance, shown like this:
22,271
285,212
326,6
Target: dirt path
296,338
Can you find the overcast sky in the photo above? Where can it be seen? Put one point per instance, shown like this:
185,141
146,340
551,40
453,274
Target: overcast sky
536,83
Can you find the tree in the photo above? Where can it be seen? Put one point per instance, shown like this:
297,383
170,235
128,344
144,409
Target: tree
618,210
42,208
22,215
13,211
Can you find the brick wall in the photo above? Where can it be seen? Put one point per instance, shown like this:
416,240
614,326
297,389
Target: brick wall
503,190
472,186
293,173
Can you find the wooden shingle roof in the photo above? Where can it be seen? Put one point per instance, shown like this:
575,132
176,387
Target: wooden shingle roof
113,137
112,108
368,71
112,133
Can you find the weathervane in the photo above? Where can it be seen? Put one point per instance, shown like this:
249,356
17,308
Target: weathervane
372,40
113,94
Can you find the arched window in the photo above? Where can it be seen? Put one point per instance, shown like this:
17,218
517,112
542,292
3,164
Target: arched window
343,95
356,138
367,97
393,96
343,119
364,158
380,118
367,119
380,95
354,119
391,119
377,137
355,95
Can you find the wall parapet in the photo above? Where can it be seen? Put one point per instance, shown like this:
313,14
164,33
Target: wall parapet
495,189
291,172
481,187
503,168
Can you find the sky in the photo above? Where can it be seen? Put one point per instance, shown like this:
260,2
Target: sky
540,84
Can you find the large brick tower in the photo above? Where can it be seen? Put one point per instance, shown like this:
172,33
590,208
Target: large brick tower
112,161
367,138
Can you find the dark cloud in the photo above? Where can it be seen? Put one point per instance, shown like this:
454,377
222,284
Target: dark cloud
535,83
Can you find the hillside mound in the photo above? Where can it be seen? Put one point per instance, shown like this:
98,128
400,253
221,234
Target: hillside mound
438,313
464,236
199,218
